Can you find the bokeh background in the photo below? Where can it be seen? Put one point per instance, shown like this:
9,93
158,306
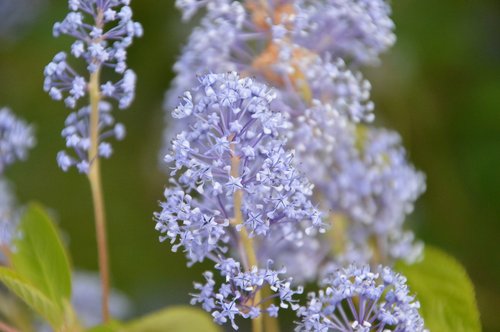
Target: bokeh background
439,87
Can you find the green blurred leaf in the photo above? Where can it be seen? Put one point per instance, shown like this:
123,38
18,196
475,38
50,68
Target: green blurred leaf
15,312
174,319
33,297
445,292
40,256
103,328
112,326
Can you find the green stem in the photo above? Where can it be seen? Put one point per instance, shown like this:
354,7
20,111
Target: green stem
271,324
246,247
96,188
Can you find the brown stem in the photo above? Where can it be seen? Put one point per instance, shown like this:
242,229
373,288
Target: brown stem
96,188
246,246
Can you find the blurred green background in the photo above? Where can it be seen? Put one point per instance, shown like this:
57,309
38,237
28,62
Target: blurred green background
439,87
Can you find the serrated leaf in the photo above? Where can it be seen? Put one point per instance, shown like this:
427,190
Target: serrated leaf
174,319
445,292
40,256
33,297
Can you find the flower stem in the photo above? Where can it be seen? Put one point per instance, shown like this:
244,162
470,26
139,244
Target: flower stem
94,176
247,250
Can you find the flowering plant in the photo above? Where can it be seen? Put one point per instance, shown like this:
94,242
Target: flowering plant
278,181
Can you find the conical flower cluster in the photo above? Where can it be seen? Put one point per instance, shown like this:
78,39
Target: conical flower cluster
103,31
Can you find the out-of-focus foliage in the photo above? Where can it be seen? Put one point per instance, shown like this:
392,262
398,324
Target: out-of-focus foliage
439,87
40,273
38,240
174,319
445,292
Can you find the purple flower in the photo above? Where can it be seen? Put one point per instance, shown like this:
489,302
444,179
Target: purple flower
16,138
308,50
356,30
102,43
236,296
76,133
234,148
269,43
357,299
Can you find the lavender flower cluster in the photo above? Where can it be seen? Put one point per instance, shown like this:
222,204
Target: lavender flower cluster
358,30
16,138
287,43
103,30
237,296
309,50
236,184
76,134
357,299
241,152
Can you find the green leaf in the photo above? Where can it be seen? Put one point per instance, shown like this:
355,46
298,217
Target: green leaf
103,328
40,303
445,292
40,256
174,319
15,312
111,326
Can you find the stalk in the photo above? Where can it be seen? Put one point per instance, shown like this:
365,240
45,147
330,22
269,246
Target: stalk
247,249
94,177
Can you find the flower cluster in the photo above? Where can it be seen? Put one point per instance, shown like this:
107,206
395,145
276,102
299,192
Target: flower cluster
311,52
283,43
376,190
262,41
365,178
237,295
358,30
76,133
16,138
103,31
357,299
234,157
